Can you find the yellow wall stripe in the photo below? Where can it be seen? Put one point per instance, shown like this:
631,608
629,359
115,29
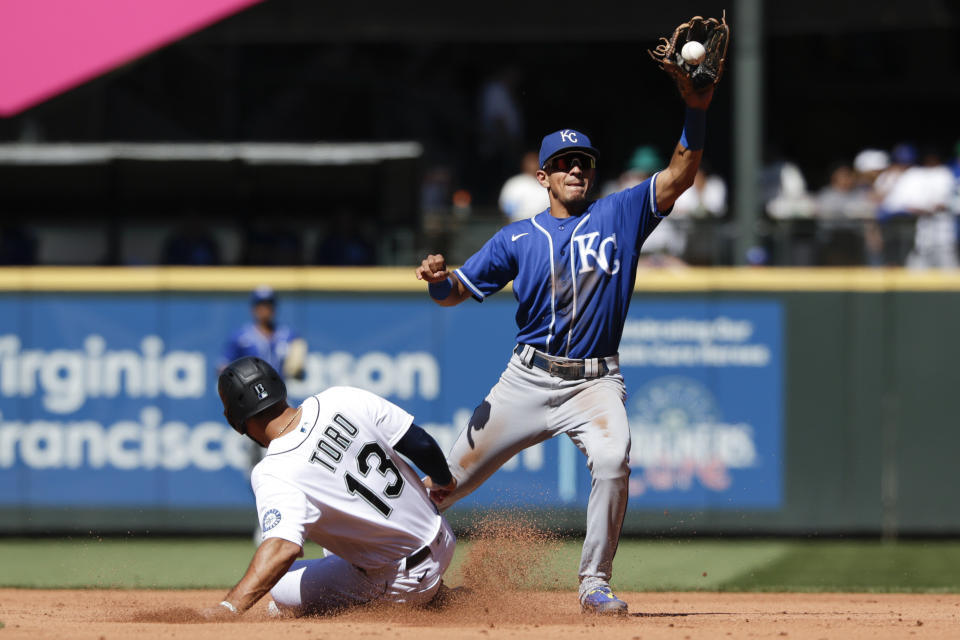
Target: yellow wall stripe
401,279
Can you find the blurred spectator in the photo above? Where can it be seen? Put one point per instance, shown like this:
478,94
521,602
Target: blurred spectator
955,200
911,189
665,245
522,196
190,245
903,157
925,191
955,168
785,191
18,247
843,198
501,128
869,165
786,199
842,206
501,120
897,226
436,190
707,198
344,244
705,201
644,162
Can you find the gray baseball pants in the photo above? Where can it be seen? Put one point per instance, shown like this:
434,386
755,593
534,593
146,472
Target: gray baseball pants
528,406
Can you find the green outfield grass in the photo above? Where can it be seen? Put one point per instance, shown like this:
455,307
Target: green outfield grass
710,565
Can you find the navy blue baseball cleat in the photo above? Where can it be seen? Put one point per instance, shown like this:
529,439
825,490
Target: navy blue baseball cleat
601,600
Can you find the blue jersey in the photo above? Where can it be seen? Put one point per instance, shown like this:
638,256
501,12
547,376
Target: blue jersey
572,277
250,341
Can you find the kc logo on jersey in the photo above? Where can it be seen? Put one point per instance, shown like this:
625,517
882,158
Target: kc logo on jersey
600,255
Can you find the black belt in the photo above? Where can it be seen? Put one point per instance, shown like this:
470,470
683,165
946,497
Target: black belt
417,557
566,368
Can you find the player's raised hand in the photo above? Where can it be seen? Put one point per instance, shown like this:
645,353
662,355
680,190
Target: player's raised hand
433,269
695,55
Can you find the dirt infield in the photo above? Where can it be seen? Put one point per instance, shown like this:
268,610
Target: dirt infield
149,615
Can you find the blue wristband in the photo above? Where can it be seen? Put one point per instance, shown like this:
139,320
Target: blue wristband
694,129
440,290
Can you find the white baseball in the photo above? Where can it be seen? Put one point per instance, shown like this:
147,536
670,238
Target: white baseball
693,52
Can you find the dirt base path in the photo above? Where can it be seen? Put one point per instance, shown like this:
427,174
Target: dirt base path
149,615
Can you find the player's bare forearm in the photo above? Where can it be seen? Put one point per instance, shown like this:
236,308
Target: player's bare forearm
685,161
271,561
434,271
677,177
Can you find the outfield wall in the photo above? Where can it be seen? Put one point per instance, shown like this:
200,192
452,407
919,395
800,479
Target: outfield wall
760,401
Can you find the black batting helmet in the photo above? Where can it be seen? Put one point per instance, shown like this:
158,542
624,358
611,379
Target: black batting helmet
248,386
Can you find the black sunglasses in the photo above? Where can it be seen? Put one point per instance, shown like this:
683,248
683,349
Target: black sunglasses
568,160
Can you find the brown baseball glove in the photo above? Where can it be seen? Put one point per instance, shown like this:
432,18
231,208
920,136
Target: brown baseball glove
713,34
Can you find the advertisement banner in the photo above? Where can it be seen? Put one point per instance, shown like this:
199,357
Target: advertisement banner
109,400
705,403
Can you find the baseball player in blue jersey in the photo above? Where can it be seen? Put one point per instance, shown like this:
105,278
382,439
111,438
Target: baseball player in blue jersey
278,345
573,269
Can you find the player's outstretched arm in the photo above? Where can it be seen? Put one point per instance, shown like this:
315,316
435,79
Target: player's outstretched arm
685,161
271,561
424,452
445,288
694,55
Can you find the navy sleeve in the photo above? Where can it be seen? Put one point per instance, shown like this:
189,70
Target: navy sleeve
424,452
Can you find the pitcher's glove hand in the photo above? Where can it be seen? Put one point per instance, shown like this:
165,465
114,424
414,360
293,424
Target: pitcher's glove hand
714,35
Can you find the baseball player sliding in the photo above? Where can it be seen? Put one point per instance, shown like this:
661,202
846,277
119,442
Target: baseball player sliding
332,475
573,269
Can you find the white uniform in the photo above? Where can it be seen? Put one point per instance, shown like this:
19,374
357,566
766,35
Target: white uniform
335,479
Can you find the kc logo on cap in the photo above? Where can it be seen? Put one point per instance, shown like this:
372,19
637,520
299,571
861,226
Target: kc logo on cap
562,141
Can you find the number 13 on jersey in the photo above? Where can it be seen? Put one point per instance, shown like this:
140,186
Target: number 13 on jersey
384,464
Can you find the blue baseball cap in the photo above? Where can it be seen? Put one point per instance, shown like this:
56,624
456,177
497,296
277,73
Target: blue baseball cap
263,294
562,141
905,153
